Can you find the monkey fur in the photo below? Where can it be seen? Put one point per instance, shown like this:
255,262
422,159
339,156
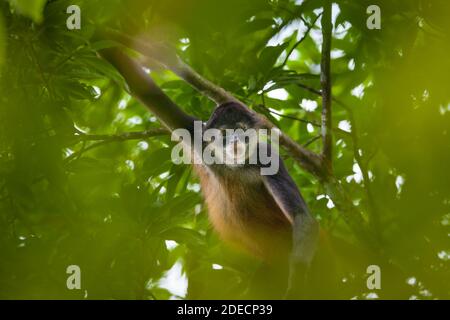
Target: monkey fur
263,215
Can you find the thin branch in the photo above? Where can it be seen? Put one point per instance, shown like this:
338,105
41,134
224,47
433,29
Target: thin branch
35,57
77,155
319,93
300,40
310,141
310,89
325,80
351,214
123,136
291,117
309,160
105,139
313,123
372,205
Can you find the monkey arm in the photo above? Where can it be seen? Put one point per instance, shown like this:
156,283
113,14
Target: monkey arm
142,86
305,228
167,57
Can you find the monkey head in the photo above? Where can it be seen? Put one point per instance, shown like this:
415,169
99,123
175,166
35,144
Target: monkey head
231,115
235,132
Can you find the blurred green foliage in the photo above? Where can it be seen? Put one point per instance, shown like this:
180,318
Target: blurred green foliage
135,223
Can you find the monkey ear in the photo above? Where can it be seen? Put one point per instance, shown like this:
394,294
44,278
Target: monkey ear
285,193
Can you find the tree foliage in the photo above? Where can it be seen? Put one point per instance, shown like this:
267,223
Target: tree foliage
77,188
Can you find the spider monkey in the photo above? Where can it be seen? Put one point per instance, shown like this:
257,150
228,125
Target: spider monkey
263,214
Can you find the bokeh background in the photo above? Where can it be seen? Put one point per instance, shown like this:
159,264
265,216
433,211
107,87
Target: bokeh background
74,191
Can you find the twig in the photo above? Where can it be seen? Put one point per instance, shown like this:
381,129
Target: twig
300,40
325,80
123,136
307,143
313,123
291,117
105,139
373,209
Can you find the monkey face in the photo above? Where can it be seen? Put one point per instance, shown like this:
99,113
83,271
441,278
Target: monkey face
236,137
232,147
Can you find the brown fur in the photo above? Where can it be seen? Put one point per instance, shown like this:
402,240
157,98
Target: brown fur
245,214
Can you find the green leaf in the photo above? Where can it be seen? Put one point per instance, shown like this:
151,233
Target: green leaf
184,235
269,55
103,44
157,162
32,9
255,25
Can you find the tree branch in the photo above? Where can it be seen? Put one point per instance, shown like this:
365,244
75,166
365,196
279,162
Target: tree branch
310,161
167,56
106,138
313,123
372,205
318,165
123,136
351,214
300,40
310,141
325,80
